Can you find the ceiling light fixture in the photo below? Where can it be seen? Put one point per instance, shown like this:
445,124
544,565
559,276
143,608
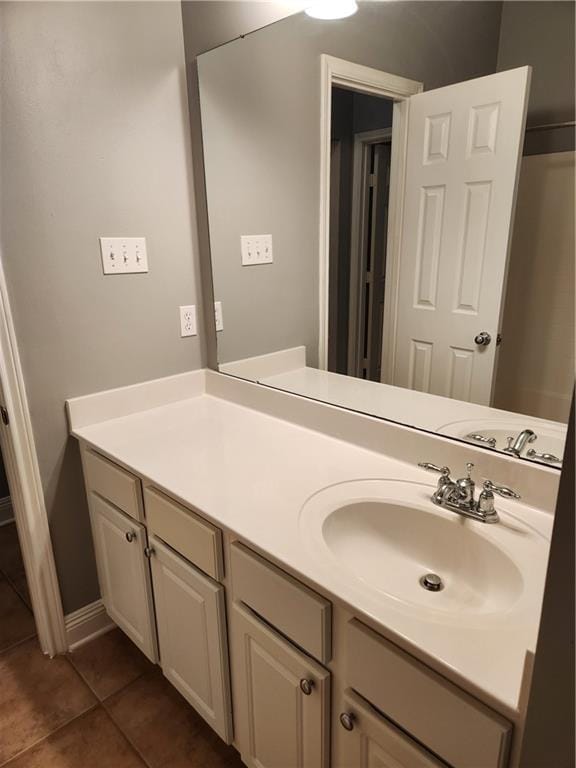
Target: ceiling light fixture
332,9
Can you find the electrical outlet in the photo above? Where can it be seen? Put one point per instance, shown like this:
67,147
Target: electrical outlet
218,315
256,249
122,255
188,321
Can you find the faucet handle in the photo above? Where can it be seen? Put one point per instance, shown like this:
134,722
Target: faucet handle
445,471
501,490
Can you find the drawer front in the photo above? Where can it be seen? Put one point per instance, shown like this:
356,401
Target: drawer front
450,722
294,609
113,483
185,531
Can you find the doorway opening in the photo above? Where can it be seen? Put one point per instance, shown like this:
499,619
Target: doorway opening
360,167
16,617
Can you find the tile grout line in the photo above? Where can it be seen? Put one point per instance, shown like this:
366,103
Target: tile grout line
126,736
17,643
122,733
49,735
109,696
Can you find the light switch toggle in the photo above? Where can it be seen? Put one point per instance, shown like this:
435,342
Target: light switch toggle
256,249
123,255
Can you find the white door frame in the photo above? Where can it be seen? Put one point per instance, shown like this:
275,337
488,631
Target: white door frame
357,77
22,471
361,142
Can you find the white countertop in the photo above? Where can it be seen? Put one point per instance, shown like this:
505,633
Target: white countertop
252,473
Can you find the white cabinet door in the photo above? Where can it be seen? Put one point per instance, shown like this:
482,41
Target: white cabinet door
124,574
282,698
373,742
463,150
192,636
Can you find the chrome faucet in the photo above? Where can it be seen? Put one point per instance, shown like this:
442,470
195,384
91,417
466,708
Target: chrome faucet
459,495
516,445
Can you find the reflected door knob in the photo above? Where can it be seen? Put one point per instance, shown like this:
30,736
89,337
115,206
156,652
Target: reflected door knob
483,339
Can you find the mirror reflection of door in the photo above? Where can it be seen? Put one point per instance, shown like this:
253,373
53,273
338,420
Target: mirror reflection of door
445,283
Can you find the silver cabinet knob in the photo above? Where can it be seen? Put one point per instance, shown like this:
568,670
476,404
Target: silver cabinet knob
306,686
130,536
347,720
149,551
483,339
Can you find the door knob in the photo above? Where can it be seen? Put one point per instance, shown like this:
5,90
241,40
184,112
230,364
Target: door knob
306,686
483,339
130,536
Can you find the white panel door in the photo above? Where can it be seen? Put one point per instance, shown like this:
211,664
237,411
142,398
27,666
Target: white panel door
192,636
463,149
280,721
124,574
373,742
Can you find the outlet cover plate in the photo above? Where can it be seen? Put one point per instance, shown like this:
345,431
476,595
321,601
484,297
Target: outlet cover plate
123,255
218,316
188,320
256,249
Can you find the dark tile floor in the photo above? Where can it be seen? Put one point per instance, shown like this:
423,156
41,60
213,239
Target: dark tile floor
104,704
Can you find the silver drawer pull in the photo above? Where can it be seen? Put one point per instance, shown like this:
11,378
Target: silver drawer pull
306,686
130,536
347,720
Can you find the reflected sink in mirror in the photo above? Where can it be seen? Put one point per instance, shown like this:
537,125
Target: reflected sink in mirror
386,535
549,442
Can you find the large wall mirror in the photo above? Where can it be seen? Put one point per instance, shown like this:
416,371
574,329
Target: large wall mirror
391,213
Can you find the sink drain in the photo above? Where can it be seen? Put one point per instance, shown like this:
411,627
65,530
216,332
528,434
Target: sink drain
432,582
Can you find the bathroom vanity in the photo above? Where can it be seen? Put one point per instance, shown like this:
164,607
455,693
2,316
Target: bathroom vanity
266,551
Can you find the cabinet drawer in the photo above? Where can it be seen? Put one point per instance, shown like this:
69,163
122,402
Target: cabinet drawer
185,531
297,611
113,483
450,722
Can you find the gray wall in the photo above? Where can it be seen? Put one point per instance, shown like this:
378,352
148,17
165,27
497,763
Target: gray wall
207,24
542,34
95,141
260,112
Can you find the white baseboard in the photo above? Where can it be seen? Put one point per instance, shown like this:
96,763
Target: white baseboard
6,511
86,624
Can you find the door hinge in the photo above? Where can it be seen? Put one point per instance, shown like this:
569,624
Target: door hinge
4,414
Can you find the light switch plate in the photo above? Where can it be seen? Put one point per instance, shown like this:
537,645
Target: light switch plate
218,316
188,320
256,249
123,255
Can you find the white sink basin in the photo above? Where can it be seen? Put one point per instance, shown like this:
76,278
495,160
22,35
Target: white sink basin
385,535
